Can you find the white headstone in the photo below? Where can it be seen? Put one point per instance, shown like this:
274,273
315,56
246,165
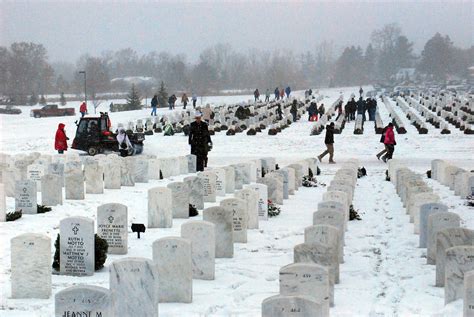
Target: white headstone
459,260
141,170
31,266
172,256
127,170
74,185
134,287
77,246
284,306
112,225
250,197
25,196
180,199
160,213
94,175
51,190
468,298
223,221
262,191
3,207
229,179
238,209
34,173
83,300
220,181
209,181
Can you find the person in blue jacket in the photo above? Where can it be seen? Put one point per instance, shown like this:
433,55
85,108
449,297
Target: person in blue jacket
288,92
277,93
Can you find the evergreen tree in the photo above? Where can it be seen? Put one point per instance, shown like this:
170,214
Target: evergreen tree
162,96
370,59
436,56
42,100
403,52
62,99
134,101
33,99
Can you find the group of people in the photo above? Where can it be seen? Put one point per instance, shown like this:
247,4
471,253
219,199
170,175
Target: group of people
314,112
360,107
279,94
172,102
387,138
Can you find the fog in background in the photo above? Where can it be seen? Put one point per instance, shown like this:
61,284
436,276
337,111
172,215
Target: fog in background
69,29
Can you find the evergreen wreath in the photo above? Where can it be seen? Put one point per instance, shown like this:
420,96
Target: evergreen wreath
273,210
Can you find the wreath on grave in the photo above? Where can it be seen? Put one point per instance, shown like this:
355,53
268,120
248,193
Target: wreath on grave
353,214
101,248
41,209
273,210
470,201
14,215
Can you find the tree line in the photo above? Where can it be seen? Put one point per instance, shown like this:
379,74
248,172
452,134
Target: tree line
26,72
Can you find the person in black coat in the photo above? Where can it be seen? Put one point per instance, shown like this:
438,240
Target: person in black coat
294,110
329,141
200,141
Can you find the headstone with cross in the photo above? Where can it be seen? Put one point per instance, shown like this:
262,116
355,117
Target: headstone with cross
112,226
77,246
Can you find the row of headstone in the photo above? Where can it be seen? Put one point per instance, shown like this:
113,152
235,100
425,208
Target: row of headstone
449,247
459,180
109,172
307,285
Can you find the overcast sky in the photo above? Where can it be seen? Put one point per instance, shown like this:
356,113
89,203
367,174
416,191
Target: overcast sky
69,29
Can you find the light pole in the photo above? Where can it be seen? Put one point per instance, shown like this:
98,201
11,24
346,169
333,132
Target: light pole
85,91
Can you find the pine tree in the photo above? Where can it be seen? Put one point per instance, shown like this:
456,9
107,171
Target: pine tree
33,99
134,101
62,99
162,96
42,100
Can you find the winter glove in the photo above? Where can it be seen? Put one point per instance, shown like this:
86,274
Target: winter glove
209,146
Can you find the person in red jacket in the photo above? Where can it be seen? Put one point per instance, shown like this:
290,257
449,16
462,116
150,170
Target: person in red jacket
60,141
389,142
83,109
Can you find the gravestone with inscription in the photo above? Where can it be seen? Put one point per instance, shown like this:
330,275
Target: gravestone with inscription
291,305
262,191
238,209
57,169
203,237
31,266
321,254
134,286
191,163
220,181
437,222
35,172
112,225
250,197
172,256
196,193
307,279
223,221
160,213
459,260
326,234
209,184
112,174
445,239
83,300
77,246
25,196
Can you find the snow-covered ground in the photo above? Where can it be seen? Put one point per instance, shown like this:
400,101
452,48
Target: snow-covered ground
384,274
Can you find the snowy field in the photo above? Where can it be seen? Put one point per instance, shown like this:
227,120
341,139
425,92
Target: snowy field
384,274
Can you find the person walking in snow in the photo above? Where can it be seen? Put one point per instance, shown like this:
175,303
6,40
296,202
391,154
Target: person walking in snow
83,109
329,141
256,94
267,95
277,93
195,98
382,140
282,94
313,112
389,142
200,141
207,113
124,144
321,110
294,109
154,105
184,100
288,92
60,140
